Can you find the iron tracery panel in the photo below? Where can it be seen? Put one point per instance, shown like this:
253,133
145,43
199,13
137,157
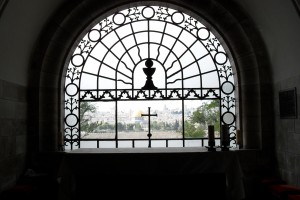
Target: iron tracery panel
109,61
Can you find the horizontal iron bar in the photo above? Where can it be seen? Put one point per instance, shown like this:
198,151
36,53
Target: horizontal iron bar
156,139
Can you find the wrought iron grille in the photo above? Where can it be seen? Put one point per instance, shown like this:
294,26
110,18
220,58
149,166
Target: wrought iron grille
147,53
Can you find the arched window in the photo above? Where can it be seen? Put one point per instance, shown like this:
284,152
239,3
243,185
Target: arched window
141,61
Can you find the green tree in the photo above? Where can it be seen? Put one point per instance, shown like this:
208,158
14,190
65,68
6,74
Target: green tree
193,131
121,127
130,127
176,125
208,114
87,110
138,127
155,126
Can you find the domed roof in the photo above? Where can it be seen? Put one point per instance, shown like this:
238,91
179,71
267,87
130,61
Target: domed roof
137,113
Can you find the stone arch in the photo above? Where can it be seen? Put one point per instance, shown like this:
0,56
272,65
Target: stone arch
236,28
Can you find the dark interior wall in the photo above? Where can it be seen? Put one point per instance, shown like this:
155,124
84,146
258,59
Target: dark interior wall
21,25
21,22
13,132
279,24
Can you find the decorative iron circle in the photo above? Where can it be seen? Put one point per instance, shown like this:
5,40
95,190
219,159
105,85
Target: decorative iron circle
94,35
177,17
72,89
228,118
71,120
221,58
203,33
119,18
148,12
228,87
77,60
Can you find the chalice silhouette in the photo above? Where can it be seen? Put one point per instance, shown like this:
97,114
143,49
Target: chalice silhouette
149,71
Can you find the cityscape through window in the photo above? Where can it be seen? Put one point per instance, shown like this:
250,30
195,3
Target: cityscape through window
148,65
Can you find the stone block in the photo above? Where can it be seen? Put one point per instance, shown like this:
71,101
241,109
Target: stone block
281,159
50,108
248,157
21,161
291,128
7,147
49,95
293,141
290,83
10,91
281,141
1,89
8,166
268,141
6,127
250,109
276,89
297,126
291,162
21,111
291,178
48,79
249,77
21,144
252,140
248,62
7,182
22,94
297,164
20,127
276,107
267,123
7,173
251,124
7,109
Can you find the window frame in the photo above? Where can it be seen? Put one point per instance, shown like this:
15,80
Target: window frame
227,102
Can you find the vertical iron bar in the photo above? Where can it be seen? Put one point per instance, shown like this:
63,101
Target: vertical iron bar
149,38
183,126
149,128
116,128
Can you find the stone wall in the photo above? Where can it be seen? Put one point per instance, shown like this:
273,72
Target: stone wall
13,132
288,136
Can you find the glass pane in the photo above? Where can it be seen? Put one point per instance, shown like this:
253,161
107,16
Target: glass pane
97,120
88,82
218,142
109,144
158,143
141,144
175,143
193,143
205,143
166,119
88,144
200,114
125,144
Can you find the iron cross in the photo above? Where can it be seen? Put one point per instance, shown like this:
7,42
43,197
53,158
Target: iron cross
149,115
